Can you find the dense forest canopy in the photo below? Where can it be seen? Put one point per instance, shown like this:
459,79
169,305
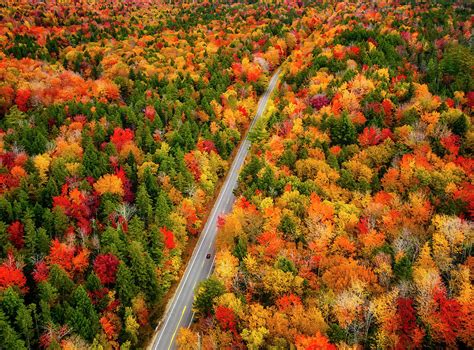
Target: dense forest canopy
352,226
117,121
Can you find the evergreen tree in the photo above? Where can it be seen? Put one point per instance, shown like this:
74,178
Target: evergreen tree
42,241
126,288
10,339
81,315
144,204
343,132
60,281
30,232
150,182
112,242
137,232
3,239
10,303
143,271
155,248
162,210
24,323
47,295
92,162
207,291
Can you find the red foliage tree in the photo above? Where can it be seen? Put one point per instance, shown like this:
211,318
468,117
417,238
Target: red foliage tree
451,143
169,238
22,97
76,204
407,324
192,165
372,136
81,261
61,254
127,185
206,146
369,137
105,266
121,136
287,301
466,194
226,318
150,112
41,272
16,234
446,320
108,327
317,342
11,275
387,106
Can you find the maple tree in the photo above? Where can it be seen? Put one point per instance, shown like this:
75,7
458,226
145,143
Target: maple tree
105,266
11,276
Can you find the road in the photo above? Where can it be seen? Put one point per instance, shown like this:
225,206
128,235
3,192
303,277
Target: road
179,312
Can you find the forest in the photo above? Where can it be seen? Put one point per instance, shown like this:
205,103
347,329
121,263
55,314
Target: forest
353,224
117,123
352,227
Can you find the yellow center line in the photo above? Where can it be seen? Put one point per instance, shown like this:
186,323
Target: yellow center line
177,326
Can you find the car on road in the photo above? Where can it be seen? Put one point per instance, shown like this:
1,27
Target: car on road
208,256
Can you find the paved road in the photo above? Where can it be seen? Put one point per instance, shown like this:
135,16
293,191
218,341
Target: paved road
179,312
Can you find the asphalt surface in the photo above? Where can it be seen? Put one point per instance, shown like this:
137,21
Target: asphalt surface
179,312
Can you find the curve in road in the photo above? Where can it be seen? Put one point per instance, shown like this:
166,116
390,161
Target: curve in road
179,313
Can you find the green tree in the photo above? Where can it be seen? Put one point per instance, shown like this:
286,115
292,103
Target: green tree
162,210
150,182
342,131
24,322
126,288
143,271
137,231
60,281
144,204
9,337
207,291
81,315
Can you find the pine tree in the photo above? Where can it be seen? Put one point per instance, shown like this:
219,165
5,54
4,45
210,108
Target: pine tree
30,232
137,232
60,280
47,295
10,303
4,239
207,291
92,162
150,182
6,210
143,271
81,315
126,287
162,210
144,204
42,241
60,221
343,131
9,337
24,322
113,242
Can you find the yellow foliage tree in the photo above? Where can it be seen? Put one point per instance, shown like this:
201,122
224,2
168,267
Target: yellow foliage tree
187,339
226,267
42,163
109,184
